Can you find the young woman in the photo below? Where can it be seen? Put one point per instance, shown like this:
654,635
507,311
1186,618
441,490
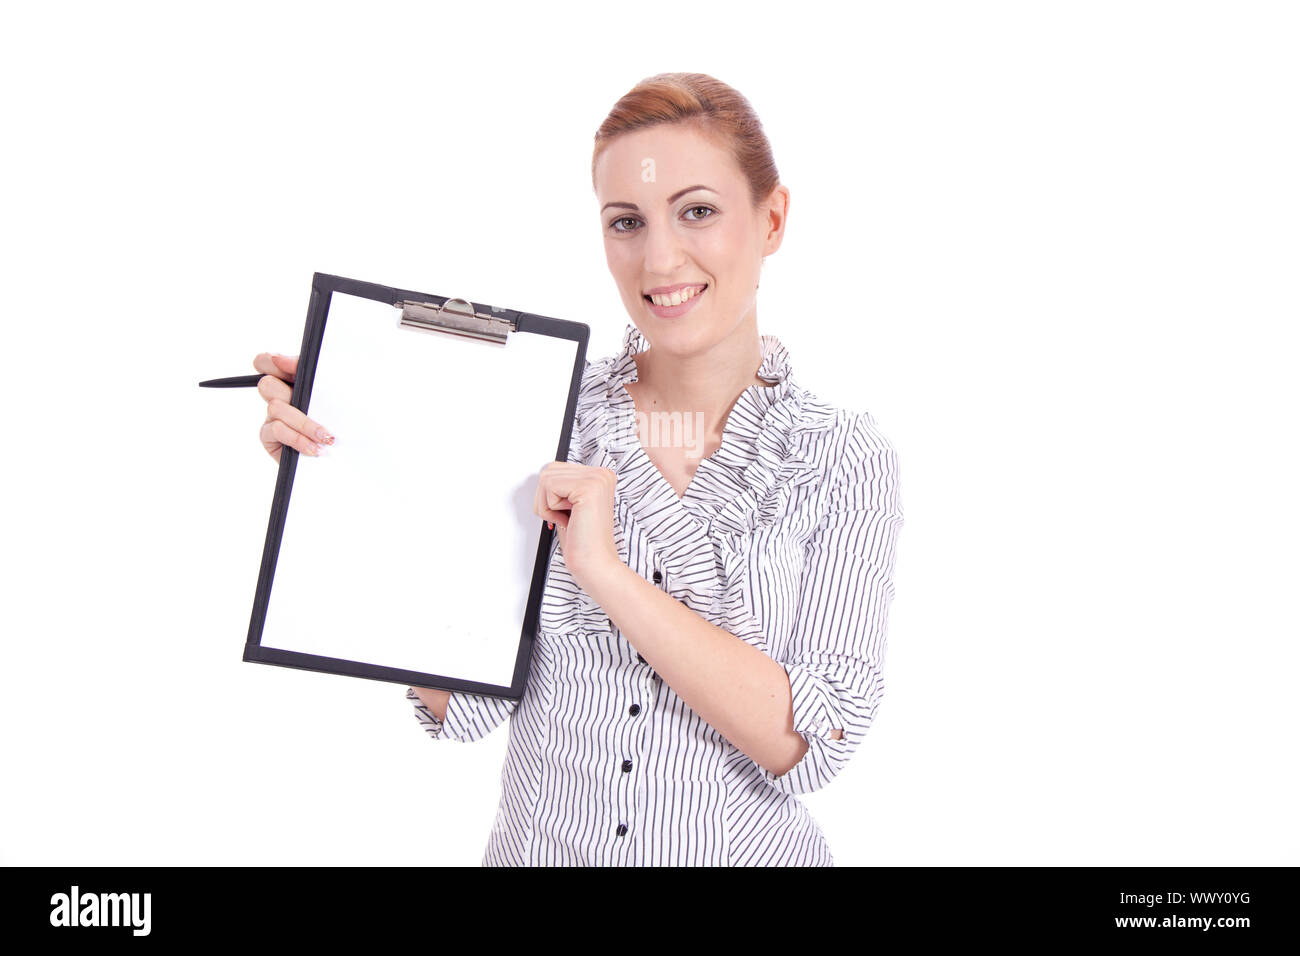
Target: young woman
712,633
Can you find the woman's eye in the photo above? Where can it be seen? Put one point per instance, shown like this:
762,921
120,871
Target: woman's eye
630,223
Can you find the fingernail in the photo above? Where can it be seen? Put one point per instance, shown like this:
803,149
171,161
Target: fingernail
312,449
551,525
322,450
323,435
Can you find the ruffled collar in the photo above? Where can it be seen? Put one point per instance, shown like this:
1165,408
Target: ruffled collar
761,444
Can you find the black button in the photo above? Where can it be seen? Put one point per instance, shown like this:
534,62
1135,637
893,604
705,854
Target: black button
634,709
627,766
622,828
658,578
640,658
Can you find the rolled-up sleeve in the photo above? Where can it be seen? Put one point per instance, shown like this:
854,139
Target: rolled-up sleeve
836,651
469,717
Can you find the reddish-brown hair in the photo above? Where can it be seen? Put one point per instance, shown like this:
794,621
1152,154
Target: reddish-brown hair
709,105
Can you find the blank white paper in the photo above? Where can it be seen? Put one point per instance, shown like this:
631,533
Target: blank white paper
411,542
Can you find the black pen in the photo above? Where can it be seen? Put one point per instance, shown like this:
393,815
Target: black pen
235,381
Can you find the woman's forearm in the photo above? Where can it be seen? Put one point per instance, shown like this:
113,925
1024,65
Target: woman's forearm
435,700
739,691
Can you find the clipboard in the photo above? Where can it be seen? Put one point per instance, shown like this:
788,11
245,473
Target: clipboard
409,552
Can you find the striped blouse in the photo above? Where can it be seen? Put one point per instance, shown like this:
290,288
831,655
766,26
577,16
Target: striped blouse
784,537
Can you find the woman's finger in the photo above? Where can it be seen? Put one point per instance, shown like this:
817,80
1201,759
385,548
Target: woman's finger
557,508
267,436
270,387
281,366
299,422
541,495
560,518
276,430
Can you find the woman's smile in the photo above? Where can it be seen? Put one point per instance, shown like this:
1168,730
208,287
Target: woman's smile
678,301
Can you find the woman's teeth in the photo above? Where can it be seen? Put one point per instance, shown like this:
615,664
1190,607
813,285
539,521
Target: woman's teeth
678,297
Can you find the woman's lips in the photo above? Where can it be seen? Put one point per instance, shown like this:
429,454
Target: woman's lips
673,311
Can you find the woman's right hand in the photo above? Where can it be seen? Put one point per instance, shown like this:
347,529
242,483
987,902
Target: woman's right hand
285,425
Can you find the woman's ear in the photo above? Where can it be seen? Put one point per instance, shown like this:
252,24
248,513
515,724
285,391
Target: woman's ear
777,213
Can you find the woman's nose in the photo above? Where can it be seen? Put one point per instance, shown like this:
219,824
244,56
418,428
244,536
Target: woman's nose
663,251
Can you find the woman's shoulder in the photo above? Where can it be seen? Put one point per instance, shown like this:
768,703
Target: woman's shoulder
835,437
847,456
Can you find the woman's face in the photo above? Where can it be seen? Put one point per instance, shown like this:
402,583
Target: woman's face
675,210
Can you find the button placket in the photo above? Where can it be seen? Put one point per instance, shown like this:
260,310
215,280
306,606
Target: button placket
624,803
657,577
628,792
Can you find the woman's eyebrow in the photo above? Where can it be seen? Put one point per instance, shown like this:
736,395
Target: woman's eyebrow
671,199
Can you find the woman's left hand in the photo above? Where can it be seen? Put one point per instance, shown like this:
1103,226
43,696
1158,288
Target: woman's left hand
579,499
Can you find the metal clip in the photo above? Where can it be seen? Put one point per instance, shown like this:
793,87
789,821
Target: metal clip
455,317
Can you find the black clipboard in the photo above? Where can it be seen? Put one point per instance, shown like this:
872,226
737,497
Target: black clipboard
444,334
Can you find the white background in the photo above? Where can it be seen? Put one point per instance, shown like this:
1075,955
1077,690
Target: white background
1052,247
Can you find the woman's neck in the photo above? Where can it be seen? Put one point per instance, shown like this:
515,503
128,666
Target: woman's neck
709,383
